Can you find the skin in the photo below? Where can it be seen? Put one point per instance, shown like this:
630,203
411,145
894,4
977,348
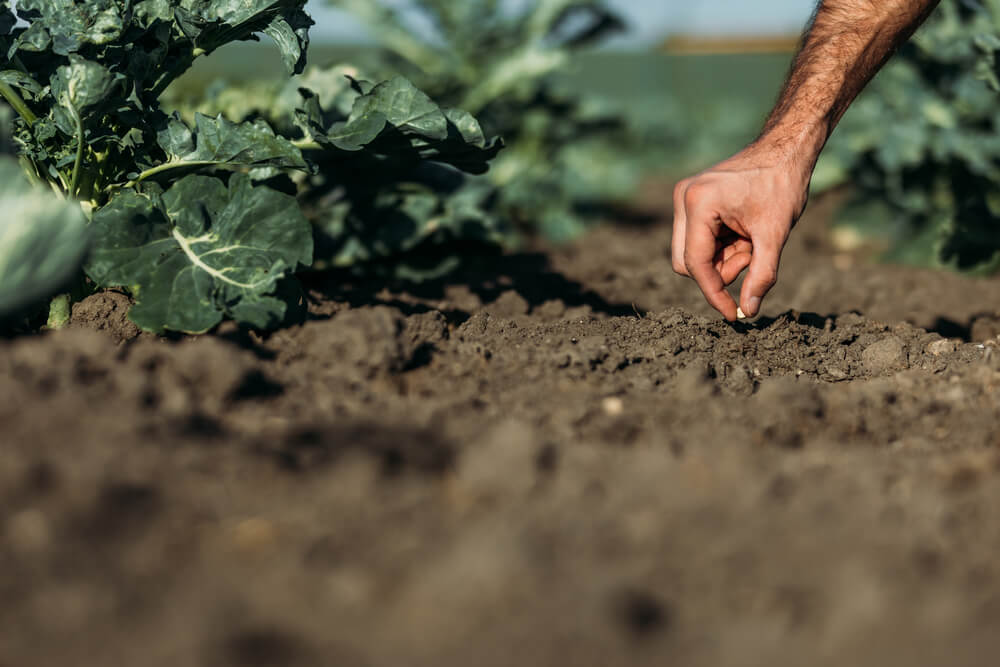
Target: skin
738,214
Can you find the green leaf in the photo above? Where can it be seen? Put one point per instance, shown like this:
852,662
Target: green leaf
200,252
42,240
217,142
79,89
19,79
291,34
83,84
71,24
214,23
405,106
396,118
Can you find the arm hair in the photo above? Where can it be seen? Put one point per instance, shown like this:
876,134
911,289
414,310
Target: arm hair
846,44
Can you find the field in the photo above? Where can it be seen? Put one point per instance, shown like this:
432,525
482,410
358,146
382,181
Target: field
554,457
557,455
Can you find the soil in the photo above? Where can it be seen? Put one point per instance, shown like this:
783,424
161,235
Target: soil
555,457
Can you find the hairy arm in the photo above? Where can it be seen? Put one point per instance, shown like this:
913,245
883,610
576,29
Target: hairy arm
739,213
847,44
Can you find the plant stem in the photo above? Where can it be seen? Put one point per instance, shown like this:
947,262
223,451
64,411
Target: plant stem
149,173
306,145
17,103
59,311
74,183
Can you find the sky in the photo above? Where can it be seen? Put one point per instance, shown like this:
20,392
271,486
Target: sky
650,19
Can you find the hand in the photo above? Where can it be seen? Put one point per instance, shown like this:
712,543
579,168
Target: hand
738,214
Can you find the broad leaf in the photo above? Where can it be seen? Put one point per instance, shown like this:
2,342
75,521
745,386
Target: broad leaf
19,79
42,240
396,118
217,142
214,23
200,252
404,106
71,24
80,88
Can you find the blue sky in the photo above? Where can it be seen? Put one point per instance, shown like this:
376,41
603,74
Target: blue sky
650,19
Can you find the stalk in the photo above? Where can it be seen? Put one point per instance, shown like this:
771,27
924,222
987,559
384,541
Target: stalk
306,145
60,311
15,101
149,173
74,183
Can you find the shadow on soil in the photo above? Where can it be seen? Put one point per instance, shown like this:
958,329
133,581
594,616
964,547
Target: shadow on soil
486,275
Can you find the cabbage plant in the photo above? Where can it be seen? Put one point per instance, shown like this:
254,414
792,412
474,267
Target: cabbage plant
497,60
921,148
203,218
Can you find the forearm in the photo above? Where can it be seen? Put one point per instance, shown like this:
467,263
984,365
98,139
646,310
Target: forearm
846,45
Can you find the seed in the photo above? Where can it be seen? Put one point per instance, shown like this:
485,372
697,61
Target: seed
740,314
613,406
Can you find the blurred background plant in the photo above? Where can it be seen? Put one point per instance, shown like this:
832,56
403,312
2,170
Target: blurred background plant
42,236
920,150
563,147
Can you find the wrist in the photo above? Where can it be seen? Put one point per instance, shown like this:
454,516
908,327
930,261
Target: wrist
796,142
795,147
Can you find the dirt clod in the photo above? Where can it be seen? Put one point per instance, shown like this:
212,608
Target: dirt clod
884,356
106,312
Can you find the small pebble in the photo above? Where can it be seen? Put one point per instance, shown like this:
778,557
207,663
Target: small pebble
613,406
255,534
939,347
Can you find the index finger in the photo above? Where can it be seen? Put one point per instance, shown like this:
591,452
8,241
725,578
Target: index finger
699,257
680,223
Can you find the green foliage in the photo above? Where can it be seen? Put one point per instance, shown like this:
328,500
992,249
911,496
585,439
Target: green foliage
921,149
189,266
42,237
396,119
496,61
390,164
203,217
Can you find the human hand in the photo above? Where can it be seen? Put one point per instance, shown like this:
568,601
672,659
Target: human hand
735,215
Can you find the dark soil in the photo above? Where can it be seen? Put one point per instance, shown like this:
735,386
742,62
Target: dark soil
556,458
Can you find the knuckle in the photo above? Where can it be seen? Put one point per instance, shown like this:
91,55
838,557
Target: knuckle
769,277
696,193
681,188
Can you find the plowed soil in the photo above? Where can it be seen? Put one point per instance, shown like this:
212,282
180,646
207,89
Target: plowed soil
557,457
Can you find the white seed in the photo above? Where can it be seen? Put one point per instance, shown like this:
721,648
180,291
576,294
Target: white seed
613,406
740,314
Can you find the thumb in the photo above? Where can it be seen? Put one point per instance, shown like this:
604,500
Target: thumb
761,277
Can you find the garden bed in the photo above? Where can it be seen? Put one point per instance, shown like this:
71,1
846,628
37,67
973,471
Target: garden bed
558,457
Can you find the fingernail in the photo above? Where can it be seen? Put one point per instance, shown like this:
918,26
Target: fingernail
753,305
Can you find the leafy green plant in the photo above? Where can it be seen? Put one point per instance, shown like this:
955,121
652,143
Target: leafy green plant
497,61
42,237
374,199
921,149
205,218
